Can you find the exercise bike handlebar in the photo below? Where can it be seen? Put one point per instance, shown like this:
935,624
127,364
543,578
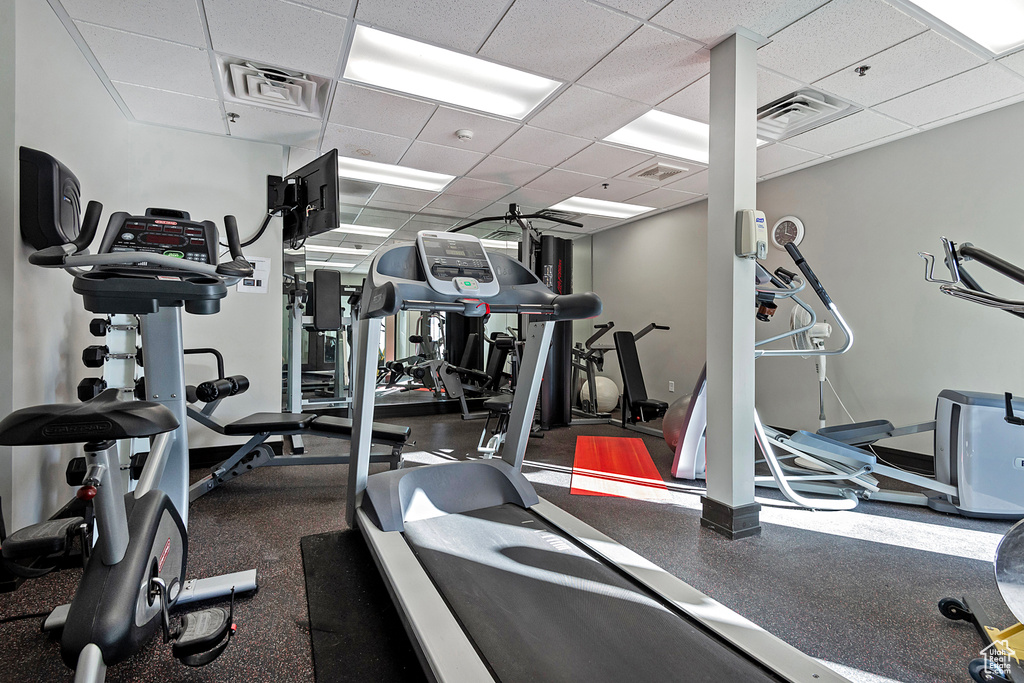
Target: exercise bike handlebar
809,275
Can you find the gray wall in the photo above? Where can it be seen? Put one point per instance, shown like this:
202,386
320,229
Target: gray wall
8,235
867,216
62,108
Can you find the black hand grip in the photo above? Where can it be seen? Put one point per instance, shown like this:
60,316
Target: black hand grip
811,278
89,225
661,327
238,268
231,229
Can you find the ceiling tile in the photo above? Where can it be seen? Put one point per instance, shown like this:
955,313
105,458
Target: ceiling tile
692,102
913,64
378,111
403,195
427,222
587,113
299,157
507,171
970,90
776,157
176,20
172,109
277,33
364,144
835,36
272,126
440,158
563,182
614,190
771,87
708,20
662,198
478,189
638,8
540,146
461,205
582,32
378,219
488,132
342,7
531,199
1015,62
141,60
696,183
458,24
604,160
850,131
649,66
355,192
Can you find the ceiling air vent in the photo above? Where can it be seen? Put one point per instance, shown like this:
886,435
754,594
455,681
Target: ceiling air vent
274,88
799,112
658,172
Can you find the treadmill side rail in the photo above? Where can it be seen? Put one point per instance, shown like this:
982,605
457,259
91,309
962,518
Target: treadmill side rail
442,646
773,653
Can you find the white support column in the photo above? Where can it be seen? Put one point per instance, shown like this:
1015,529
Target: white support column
729,506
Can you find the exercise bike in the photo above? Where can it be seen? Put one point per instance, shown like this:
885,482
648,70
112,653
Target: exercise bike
154,266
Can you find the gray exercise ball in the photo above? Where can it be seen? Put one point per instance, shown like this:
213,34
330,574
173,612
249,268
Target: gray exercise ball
672,424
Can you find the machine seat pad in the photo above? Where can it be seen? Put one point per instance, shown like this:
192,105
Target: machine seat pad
342,426
499,404
103,418
651,404
269,422
40,540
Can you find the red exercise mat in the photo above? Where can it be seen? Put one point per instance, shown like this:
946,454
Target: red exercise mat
615,466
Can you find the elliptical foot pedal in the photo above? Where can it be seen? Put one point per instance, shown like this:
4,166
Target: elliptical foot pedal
204,635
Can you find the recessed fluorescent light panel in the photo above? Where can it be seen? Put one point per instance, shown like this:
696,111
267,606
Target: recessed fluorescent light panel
328,264
668,134
390,174
338,250
997,25
409,66
599,207
364,230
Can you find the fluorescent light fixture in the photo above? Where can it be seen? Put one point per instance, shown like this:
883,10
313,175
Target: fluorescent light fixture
390,174
498,244
328,264
364,230
409,66
600,207
338,250
997,25
668,134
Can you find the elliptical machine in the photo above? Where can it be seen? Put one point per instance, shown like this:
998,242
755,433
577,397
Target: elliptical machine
152,266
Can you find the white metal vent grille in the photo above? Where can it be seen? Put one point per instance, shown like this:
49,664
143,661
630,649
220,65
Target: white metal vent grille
273,88
658,172
799,112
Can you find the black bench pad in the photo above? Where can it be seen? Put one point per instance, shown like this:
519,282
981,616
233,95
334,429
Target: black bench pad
499,404
342,426
269,422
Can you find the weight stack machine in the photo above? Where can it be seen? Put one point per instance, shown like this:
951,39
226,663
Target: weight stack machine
553,265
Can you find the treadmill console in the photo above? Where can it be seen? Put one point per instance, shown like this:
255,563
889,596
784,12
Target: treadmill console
456,264
162,234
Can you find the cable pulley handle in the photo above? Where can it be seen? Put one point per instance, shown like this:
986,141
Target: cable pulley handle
231,230
90,223
809,275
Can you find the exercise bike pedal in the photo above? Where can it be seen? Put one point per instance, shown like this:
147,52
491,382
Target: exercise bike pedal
204,635
40,548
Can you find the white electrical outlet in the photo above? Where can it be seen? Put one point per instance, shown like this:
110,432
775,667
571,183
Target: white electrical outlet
671,386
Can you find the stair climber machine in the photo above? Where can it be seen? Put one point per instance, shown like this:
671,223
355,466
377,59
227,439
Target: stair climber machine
152,266
493,582
836,465
1003,646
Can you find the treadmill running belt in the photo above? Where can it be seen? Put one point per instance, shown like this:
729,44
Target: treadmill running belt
539,608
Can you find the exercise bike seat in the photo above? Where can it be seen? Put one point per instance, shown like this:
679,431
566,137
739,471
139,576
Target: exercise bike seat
102,418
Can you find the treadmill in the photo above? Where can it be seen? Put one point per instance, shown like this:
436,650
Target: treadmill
494,582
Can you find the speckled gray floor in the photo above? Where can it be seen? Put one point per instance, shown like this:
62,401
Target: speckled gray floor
856,589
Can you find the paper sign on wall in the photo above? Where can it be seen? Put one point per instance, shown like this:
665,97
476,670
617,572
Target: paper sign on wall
257,282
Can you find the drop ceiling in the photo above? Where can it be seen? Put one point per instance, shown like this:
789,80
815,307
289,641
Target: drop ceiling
615,60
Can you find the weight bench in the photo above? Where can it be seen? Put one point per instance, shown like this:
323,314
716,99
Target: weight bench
636,407
261,426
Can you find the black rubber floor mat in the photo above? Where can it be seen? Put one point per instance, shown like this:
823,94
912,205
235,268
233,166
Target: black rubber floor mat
356,632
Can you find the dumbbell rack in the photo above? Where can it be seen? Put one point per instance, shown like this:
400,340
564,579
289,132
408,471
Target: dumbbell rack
121,371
